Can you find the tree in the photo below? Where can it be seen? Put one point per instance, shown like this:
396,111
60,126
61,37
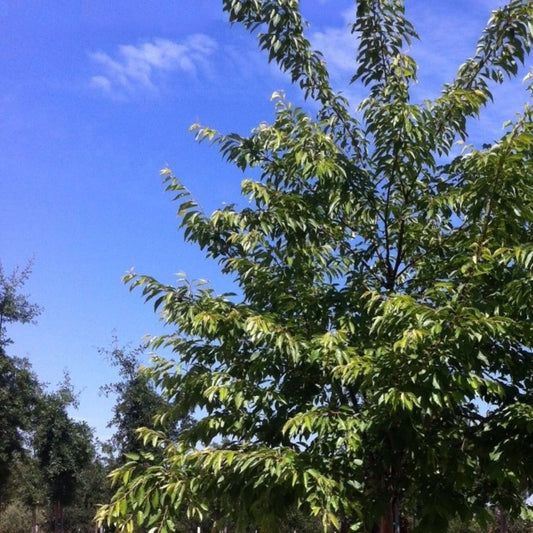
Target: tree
26,495
19,388
137,401
378,369
499,525
19,393
63,447
92,488
15,518
15,307
57,477
45,456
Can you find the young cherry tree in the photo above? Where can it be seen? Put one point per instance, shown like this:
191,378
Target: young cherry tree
378,370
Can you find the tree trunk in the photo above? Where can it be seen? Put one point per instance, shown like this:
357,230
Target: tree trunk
34,527
386,523
58,517
392,522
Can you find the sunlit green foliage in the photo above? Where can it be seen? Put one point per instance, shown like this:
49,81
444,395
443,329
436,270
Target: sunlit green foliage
380,360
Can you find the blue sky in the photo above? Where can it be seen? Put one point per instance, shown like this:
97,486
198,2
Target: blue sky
97,97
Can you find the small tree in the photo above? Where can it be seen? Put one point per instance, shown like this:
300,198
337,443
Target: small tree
15,518
378,369
92,488
137,400
45,456
63,447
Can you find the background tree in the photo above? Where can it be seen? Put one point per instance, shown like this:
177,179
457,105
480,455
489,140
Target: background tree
26,494
378,367
518,525
19,388
14,306
137,400
15,518
46,457
92,489
19,392
64,448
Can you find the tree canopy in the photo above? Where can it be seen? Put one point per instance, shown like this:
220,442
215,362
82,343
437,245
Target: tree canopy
19,388
14,306
47,459
137,401
376,367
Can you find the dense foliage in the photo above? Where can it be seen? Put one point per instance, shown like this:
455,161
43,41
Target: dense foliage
18,385
378,369
137,400
63,447
18,397
48,461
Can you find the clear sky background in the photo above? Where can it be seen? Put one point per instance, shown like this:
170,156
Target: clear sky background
97,97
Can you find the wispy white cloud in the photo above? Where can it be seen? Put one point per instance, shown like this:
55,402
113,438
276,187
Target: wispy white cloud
140,67
338,45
